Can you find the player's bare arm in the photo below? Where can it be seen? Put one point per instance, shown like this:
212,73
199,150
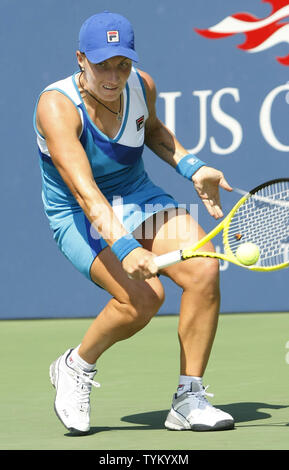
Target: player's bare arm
157,136
69,157
163,143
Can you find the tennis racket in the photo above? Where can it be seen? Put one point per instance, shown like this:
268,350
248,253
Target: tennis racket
261,217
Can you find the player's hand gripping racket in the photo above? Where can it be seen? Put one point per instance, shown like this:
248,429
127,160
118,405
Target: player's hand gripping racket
261,218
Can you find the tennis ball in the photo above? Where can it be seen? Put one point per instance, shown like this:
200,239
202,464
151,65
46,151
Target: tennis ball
248,253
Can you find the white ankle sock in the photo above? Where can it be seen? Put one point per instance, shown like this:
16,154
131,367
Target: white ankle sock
75,359
185,383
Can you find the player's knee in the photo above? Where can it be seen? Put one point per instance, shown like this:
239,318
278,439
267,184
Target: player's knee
145,304
202,274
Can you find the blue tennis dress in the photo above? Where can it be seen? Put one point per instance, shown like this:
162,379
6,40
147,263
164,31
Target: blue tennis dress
117,167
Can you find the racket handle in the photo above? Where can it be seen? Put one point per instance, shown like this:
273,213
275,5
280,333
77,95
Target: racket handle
163,261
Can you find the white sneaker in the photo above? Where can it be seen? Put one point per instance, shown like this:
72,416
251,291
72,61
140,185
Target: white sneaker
191,410
73,387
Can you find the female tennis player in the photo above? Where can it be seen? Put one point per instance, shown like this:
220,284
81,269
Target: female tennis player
91,129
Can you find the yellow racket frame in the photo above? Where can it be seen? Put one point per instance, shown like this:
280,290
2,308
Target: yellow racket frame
192,252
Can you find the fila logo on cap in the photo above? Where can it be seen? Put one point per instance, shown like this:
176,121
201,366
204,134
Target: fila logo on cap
112,36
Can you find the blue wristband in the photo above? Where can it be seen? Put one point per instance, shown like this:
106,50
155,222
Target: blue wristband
124,245
188,166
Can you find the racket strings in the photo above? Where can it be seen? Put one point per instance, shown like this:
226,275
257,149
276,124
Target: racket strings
264,224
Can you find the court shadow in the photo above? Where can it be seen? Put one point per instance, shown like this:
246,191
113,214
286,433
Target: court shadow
150,419
242,412
250,411
143,421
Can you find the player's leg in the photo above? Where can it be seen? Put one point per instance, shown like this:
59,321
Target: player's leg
199,281
132,306
198,318
199,310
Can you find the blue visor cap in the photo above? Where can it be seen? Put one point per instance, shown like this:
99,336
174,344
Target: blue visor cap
107,35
